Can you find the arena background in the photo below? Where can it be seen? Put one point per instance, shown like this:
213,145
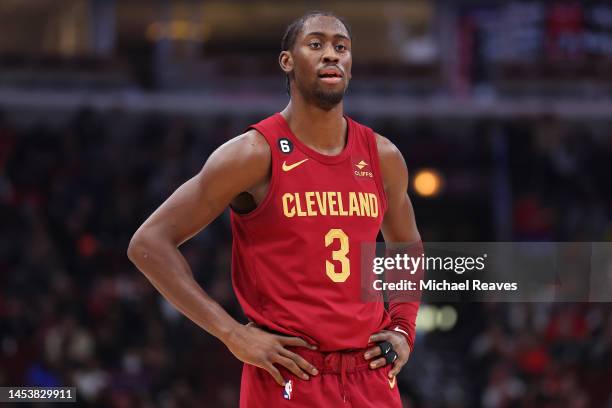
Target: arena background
503,111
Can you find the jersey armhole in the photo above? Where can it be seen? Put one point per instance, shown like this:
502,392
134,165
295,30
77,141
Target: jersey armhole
273,180
378,178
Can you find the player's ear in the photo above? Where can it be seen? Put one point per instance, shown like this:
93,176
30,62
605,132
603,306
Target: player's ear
285,60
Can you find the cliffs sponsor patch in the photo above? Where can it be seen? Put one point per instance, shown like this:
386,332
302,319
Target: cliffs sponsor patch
362,169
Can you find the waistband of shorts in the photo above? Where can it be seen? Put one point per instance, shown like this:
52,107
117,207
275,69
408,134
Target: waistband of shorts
333,362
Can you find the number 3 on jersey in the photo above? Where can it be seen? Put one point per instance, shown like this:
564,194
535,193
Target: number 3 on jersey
338,255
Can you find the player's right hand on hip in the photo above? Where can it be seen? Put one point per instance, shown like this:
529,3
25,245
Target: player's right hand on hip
253,345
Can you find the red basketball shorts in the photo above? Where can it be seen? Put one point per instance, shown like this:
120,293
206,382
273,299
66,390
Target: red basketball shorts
344,380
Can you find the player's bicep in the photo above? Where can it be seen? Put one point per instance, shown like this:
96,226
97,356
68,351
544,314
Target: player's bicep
233,168
399,223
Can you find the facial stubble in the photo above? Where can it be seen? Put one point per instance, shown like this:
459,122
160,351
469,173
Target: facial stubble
319,96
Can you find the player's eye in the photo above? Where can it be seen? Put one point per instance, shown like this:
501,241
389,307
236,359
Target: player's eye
315,45
341,48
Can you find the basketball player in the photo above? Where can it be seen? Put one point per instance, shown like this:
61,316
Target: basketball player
306,187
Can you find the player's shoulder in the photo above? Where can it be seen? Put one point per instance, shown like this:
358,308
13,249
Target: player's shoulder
250,145
251,140
387,150
244,156
392,165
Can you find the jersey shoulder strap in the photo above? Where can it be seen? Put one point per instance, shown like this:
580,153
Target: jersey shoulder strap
274,131
367,143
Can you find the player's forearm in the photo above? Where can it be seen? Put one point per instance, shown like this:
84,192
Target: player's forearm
403,307
168,271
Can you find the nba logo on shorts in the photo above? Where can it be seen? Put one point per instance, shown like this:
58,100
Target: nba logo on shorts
288,390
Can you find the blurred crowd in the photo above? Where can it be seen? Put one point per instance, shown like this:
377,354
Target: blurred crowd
74,311
517,355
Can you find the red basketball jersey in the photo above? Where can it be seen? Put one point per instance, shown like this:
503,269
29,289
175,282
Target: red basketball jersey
296,257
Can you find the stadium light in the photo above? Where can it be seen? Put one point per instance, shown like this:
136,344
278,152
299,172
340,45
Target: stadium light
446,318
426,319
427,183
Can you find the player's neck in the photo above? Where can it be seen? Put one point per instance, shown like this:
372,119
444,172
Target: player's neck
321,130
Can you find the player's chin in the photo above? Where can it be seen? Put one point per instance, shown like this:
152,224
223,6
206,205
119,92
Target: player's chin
331,91
328,98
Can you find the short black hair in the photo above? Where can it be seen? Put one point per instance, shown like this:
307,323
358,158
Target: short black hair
294,29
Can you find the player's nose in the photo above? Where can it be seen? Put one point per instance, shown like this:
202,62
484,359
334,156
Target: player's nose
330,54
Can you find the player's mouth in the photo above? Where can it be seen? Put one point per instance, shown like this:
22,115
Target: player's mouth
330,75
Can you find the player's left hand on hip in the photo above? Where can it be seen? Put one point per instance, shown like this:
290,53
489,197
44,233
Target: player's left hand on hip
399,345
